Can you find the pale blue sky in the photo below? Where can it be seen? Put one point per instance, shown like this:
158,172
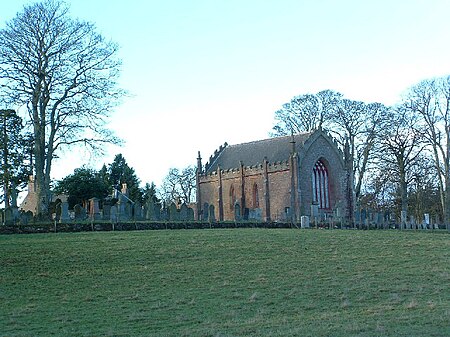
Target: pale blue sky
205,72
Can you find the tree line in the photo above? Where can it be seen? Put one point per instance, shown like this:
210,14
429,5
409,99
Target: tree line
62,75
85,183
397,157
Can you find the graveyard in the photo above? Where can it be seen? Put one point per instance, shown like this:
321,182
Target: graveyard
227,282
119,212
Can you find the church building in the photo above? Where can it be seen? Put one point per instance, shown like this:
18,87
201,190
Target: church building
275,179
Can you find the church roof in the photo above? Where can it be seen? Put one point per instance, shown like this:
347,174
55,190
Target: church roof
274,149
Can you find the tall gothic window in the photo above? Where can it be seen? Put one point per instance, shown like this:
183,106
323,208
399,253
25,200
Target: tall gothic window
232,197
255,196
320,185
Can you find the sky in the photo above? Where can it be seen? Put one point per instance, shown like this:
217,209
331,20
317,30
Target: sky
204,72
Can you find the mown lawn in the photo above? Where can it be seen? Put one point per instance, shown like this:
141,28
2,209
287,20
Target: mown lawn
238,282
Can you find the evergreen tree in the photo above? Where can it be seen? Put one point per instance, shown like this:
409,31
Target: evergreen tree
150,193
82,185
13,170
120,173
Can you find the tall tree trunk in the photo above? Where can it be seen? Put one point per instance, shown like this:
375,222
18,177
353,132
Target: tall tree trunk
5,163
348,160
362,170
447,185
403,194
39,160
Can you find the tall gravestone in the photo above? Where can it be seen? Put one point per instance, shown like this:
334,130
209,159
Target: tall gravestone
106,214
65,216
190,214
205,212
211,215
80,212
137,210
237,212
94,209
152,211
183,214
173,212
114,214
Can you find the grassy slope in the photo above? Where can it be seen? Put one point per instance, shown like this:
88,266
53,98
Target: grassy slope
248,282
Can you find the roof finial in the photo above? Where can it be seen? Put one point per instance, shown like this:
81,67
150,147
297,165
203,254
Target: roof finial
199,163
292,141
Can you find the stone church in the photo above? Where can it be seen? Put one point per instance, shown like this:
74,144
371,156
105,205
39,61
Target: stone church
276,179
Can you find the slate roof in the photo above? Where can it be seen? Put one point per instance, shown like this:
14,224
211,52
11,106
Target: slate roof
274,149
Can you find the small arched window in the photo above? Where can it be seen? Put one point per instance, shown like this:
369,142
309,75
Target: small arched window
320,186
255,196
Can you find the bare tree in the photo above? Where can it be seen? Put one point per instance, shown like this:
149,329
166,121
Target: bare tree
401,145
430,99
179,186
375,117
348,117
354,124
304,113
65,73
423,191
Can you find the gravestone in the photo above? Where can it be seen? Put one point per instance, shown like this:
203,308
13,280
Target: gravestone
211,214
255,214
205,212
106,211
314,210
426,220
25,217
164,212
80,212
152,211
304,221
190,214
137,210
237,212
94,209
173,212
287,214
65,216
123,209
183,214
363,217
380,220
113,214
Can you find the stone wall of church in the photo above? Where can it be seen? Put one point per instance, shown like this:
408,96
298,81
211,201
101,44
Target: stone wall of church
320,147
230,179
279,191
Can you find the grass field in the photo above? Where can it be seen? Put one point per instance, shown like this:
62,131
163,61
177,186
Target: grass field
241,282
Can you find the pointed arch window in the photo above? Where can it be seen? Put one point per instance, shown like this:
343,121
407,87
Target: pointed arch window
232,197
320,186
255,196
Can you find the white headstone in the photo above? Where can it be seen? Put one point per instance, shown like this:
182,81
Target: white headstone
304,221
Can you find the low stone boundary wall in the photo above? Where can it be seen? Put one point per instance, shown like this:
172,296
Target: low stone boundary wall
98,226
129,226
